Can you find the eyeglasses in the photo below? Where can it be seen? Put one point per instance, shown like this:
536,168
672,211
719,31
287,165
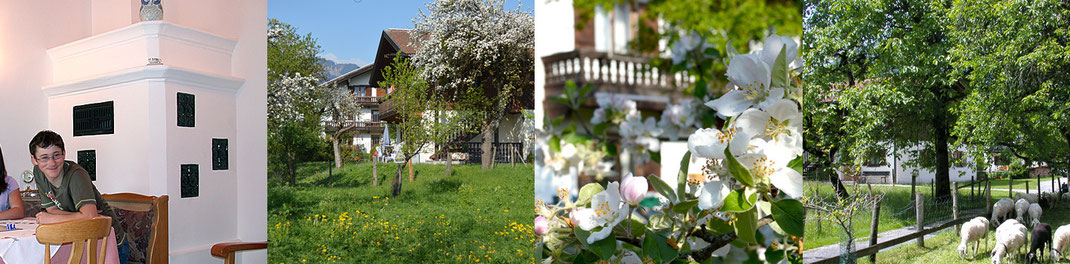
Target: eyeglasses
53,157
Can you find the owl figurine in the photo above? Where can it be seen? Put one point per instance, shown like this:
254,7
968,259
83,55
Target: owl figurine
151,10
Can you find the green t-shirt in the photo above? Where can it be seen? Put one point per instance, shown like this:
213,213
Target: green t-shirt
74,191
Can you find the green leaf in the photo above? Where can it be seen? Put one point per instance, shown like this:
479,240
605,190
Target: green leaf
788,213
681,177
738,171
585,257
576,138
717,226
539,251
780,70
655,156
661,187
738,201
555,144
774,256
600,128
588,191
650,202
610,149
796,164
656,246
604,248
700,88
683,207
561,100
746,224
636,227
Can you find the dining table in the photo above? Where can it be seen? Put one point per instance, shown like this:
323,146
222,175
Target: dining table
20,245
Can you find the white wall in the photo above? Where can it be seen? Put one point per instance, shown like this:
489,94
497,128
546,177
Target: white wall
903,174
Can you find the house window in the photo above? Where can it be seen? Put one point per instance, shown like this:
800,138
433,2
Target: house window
957,159
877,158
375,140
220,159
375,115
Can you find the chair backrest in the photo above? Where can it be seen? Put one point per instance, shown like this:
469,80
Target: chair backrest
82,233
144,218
228,249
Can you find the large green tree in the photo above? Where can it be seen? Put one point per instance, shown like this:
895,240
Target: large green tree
295,102
1016,55
896,86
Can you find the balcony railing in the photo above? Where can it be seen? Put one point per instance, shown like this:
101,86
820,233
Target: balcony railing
368,100
357,125
612,73
503,152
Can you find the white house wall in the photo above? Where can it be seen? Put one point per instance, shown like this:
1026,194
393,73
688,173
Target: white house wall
903,173
554,27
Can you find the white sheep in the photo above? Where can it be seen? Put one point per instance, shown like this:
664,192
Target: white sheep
1050,198
1034,213
973,231
1060,241
1022,207
1031,197
1010,237
1066,197
1001,209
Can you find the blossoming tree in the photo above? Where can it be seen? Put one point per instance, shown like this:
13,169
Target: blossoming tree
743,198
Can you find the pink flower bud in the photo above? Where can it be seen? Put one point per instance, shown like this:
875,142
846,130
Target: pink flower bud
541,226
633,189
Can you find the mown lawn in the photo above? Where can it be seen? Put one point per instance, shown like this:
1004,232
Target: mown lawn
892,215
1020,184
942,248
472,216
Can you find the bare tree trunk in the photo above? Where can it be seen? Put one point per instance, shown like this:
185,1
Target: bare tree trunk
449,161
397,179
337,151
486,147
412,177
375,168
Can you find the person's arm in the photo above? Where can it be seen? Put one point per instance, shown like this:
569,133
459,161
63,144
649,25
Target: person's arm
16,211
55,215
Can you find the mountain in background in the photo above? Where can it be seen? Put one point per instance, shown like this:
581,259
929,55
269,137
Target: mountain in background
333,69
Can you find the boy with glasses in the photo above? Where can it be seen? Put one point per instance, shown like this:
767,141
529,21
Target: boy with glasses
66,191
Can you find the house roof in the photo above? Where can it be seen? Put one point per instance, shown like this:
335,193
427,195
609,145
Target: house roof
350,74
399,38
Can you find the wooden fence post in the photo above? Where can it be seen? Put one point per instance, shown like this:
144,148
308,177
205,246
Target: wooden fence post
1026,187
873,229
919,205
988,202
955,205
1010,188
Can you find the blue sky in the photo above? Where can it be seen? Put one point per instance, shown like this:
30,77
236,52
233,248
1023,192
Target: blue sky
349,30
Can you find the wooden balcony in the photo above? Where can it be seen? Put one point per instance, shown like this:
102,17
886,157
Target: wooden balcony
367,126
368,101
610,73
387,111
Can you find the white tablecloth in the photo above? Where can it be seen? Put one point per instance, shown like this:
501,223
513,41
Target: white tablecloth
21,245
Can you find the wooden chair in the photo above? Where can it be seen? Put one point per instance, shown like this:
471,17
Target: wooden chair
227,250
153,242
82,232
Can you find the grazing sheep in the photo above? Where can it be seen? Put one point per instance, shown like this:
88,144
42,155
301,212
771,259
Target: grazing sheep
1066,197
1010,237
1034,213
973,231
1022,207
1001,211
1048,199
1030,197
1061,241
1041,236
